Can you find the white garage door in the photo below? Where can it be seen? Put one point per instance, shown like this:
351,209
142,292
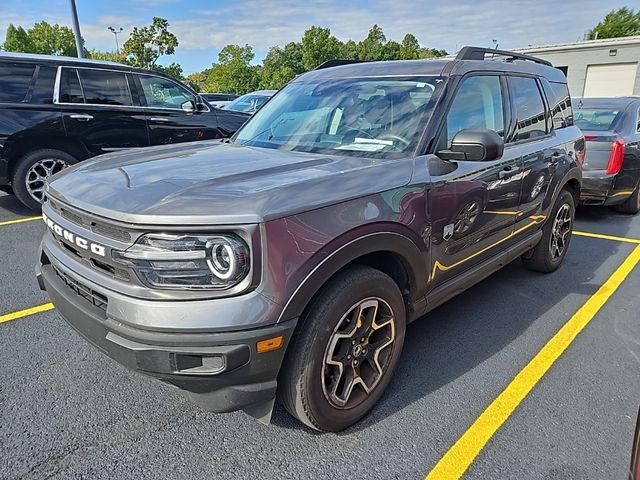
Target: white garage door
613,80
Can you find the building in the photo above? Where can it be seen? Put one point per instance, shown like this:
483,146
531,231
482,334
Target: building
595,68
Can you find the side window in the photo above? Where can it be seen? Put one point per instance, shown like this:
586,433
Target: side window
105,87
43,88
560,104
638,125
530,113
15,79
477,104
163,93
70,90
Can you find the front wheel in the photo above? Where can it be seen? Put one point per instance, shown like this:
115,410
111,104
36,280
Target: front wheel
33,170
344,351
549,253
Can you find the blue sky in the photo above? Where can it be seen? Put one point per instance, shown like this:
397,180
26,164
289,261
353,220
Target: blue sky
204,27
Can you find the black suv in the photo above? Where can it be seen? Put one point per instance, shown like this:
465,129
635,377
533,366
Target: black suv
56,111
290,260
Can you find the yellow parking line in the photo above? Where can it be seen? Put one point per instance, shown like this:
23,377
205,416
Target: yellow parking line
460,456
20,220
607,237
7,317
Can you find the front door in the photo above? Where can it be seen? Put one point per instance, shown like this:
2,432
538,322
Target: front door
473,205
171,112
98,110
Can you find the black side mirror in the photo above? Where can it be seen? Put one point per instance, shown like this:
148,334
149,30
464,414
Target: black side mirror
474,145
201,105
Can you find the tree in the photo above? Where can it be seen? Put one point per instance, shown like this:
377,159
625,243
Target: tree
319,46
410,48
623,22
233,73
105,56
42,38
281,65
146,45
372,47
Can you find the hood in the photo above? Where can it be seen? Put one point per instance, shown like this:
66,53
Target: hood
220,183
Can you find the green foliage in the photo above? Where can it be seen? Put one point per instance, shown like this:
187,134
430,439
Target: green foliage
104,56
145,45
623,22
233,73
42,38
319,46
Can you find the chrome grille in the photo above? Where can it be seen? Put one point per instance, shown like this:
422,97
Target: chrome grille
93,297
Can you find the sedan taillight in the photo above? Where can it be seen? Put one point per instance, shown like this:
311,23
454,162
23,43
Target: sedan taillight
616,156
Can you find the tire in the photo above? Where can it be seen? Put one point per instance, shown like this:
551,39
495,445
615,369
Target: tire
631,205
51,162
306,379
559,225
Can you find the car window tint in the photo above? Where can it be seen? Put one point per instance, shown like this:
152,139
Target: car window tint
43,88
15,79
638,123
477,104
560,103
70,90
104,87
529,108
163,93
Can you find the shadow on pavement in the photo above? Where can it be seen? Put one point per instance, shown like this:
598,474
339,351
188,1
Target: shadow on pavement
11,204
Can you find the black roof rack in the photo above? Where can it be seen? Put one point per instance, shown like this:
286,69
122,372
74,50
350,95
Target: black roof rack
478,53
337,63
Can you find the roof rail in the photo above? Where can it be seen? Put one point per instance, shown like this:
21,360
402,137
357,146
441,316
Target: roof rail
478,53
337,63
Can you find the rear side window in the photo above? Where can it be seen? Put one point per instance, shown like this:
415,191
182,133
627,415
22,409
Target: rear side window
15,79
560,104
70,90
43,88
477,104
530,113
104,87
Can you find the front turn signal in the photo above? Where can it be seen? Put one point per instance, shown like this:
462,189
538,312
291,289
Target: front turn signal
270,344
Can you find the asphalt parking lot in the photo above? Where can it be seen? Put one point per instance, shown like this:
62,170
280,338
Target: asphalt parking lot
66,411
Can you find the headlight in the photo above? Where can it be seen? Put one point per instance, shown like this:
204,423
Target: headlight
188,261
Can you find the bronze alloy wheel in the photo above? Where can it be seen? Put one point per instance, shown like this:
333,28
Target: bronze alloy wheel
560,232
358,353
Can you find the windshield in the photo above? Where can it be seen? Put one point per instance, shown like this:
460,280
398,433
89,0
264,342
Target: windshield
599,119
248,103
381,117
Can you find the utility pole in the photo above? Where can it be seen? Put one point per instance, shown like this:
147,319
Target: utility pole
76,28
116,31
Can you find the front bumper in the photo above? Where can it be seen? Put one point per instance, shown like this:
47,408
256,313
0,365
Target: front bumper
220,371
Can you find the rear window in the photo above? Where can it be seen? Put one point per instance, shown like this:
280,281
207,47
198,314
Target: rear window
529,108
15,79
43,88
598,119
104,87
560,102
70,91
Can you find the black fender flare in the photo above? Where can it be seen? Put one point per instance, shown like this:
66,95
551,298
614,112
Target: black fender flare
412,258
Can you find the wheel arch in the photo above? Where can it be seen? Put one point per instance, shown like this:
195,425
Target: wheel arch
392,253
23,146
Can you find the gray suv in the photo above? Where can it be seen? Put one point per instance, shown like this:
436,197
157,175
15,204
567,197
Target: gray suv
287,262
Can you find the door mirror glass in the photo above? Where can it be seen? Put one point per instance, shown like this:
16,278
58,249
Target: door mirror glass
188,106
474,145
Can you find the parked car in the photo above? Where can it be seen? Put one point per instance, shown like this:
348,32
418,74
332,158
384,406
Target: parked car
289,261
250,102
218,97
218,100
611,128
56,111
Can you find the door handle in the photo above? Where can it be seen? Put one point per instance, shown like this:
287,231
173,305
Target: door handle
83,117
159,119
555,158
508,172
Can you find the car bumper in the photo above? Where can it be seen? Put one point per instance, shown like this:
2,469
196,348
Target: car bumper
220,371
600,188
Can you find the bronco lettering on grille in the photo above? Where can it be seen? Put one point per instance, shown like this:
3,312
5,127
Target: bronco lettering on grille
73,238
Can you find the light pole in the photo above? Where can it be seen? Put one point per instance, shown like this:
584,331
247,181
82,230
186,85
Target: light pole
76,28
116,31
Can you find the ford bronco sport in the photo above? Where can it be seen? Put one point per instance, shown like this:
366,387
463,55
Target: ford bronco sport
287,262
